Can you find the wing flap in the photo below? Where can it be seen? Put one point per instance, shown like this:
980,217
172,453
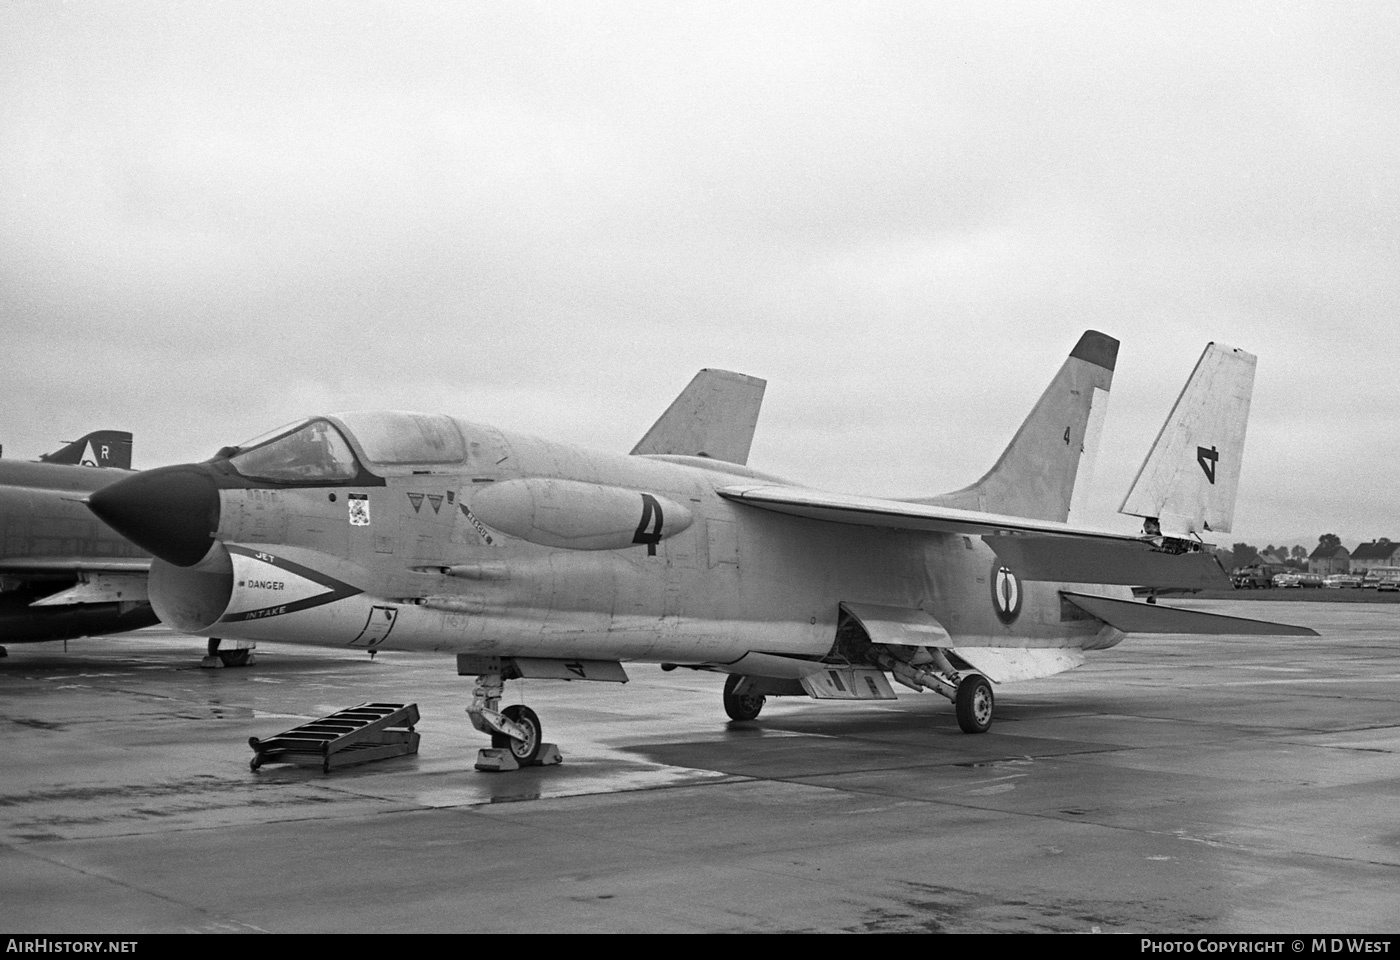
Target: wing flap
1133,617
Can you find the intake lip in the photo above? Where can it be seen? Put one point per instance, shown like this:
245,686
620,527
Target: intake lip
171,511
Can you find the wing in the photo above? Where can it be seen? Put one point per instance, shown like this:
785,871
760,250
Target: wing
98,581
1035,549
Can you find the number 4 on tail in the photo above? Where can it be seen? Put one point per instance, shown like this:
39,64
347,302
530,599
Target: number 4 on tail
1208,459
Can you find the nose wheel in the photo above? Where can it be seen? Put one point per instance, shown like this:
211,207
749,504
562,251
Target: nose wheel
517,738
525,750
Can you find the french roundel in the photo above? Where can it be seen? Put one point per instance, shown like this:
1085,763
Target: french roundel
1006,593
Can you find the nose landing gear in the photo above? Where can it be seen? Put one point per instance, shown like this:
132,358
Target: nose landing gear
517,738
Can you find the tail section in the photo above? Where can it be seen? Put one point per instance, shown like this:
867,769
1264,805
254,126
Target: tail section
714,416
101,448
1055,447
1188,482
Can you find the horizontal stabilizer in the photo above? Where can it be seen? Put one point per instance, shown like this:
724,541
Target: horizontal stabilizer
714,417
1133,617
1137,563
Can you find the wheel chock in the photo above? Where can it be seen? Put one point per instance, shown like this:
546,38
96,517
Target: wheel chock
501,760
496,760
211,663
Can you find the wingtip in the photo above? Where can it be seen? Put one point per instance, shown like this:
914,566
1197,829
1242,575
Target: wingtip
1096,348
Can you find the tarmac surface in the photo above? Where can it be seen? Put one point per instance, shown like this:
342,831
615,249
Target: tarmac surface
1170,785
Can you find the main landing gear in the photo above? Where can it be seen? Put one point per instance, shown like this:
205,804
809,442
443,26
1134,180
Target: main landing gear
973,704
517,739
242,657
738,703
970,693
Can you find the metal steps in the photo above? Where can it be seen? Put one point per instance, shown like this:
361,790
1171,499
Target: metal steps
371,731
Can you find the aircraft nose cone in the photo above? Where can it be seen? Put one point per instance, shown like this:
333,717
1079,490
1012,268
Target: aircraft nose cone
170,511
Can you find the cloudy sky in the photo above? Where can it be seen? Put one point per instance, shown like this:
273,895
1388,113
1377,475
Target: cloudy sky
217,217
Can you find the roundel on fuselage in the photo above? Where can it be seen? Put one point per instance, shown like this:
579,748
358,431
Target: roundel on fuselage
1006,593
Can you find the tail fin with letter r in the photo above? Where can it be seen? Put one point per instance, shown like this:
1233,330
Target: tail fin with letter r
101,448
1052,453
714,416
1188,482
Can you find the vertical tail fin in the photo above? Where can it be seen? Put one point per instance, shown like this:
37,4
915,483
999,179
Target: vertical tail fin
101,448
1036,475
1189,480
714,416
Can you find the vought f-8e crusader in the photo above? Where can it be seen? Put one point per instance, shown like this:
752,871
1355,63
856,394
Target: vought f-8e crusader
528,558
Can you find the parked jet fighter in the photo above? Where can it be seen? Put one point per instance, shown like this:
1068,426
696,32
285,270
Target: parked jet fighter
62,574
529,558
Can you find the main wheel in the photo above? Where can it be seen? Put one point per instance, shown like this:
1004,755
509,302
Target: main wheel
525,751
229,658
741,706
974,704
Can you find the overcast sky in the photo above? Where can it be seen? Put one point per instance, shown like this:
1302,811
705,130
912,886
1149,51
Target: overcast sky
218,217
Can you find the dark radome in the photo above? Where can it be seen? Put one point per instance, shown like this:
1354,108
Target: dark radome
170,511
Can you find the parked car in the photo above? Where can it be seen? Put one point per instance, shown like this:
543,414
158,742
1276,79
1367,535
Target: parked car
1251,580
1383,586
1284,580
1342,581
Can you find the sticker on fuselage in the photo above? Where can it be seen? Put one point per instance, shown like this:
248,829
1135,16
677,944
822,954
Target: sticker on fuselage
477,525
359,509
381,621
280,586
434,500
1006,593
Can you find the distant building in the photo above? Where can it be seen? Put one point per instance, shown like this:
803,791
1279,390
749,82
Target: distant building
1326,561
1377,553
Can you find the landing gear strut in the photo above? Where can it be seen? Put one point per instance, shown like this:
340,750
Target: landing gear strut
226,658
517,739
971,693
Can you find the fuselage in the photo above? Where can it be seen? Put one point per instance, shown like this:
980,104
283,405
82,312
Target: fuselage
498,543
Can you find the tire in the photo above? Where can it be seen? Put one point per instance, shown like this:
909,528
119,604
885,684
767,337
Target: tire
741,706
974,704
229,658
524,751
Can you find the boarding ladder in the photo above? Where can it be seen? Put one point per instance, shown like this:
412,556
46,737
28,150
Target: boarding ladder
371,731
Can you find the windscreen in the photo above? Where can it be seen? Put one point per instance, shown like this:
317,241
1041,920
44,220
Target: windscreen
311,452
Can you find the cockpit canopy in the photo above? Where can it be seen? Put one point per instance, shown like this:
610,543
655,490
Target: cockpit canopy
315,451
392,436
308,451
